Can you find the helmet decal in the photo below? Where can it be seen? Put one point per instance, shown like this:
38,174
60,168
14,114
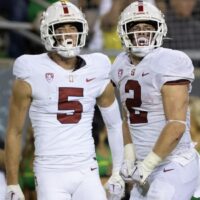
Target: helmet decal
64,5
140,6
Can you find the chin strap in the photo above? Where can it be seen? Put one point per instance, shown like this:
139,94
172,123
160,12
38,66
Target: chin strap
141,52
69,53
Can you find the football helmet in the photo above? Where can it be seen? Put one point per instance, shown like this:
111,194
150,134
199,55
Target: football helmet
60,13
141,12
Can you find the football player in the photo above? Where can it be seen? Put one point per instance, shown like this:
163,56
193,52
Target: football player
60,89
154,85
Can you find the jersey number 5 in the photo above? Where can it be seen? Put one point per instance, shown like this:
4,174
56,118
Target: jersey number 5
65,104
135,116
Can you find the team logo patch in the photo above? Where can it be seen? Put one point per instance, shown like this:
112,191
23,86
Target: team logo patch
71,78
132,72
49,77
120,73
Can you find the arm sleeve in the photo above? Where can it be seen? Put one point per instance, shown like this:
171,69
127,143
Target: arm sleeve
105,70
113,122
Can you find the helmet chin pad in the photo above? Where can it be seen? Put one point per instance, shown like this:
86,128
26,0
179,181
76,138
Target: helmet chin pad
69,53
140,52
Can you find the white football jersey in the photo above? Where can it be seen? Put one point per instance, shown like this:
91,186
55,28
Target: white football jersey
3,185
62,108
140,95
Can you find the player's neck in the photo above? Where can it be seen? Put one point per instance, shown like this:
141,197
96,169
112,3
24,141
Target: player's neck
66,63
134,59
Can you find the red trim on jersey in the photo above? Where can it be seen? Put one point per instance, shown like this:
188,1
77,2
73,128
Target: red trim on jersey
178,82
65,8
140,6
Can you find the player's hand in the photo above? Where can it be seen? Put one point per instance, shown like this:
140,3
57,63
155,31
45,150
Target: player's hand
142,170
14,192
115,187
140,173
128,163
127,170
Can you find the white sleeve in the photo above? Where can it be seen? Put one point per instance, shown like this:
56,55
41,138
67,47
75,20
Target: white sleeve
178,66
115,71
21,69
113,122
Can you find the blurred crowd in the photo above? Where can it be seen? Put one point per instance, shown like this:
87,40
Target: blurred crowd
182,17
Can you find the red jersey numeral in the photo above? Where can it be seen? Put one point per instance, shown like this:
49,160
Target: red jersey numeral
65,104
141,116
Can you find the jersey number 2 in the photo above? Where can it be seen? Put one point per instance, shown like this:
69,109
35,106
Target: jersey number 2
65,104
135,116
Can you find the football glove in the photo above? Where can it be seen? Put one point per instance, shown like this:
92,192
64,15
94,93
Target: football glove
142,170
126,170
128,163
14,192
140,173
115,187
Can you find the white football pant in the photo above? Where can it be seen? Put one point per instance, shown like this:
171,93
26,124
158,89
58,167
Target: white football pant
63,184
171,181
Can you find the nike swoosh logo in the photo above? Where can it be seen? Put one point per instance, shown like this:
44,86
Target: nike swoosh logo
89,79
12,195
92,169
167,170
144,74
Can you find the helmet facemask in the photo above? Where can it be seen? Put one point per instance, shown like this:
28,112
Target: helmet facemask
66,43
141,42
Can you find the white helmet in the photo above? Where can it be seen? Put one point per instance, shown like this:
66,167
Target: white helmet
59,13
141,12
